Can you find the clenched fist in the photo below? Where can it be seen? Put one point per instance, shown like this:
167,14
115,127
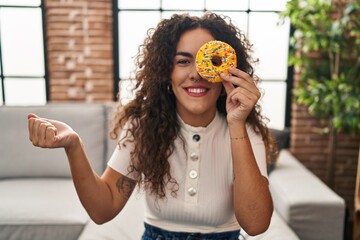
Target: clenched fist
48,133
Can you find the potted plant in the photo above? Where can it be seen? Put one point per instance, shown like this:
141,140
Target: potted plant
325,51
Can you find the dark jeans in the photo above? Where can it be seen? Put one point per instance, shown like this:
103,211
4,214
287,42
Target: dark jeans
154,233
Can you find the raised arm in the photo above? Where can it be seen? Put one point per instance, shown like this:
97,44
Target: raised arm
102,197
252,199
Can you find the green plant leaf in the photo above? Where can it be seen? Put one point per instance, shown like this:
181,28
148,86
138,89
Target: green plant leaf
325,50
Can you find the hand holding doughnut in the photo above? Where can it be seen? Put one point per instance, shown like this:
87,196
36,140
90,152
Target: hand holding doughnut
213,58
242,94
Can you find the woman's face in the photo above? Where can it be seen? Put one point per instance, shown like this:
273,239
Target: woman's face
195,97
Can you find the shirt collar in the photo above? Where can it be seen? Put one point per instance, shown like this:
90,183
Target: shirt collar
190,129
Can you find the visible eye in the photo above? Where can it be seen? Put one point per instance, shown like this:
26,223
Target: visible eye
182,61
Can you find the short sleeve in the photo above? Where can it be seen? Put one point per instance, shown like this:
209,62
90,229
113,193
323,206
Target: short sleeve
258,148
121,158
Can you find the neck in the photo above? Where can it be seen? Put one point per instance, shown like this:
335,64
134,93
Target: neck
198,120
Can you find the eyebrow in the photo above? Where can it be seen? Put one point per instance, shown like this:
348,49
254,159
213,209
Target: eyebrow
185,54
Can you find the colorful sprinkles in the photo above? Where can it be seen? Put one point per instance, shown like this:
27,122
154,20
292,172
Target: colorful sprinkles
204,65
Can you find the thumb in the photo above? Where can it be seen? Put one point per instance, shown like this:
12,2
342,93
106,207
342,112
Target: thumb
32,115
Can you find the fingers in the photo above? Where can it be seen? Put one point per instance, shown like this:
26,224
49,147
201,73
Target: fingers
229,87
240,74
46,133
243,97
32,115
42,133
238,78
242,80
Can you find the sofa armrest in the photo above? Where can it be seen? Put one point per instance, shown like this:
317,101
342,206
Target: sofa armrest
310,207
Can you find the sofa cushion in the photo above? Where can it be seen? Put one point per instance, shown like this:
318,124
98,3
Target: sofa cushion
40,209
19,158
311,208
282,137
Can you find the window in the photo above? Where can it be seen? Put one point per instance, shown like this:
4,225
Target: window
22,56
257,18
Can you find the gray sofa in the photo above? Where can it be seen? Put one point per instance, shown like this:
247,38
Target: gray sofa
38,200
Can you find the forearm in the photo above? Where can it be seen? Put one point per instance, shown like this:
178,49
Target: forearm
96,195
93,193
252,199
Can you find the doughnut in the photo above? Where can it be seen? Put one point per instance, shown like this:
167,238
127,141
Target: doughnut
213,58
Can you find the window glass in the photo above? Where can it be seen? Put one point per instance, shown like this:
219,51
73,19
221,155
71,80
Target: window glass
131,34
126,90
29,91
20,2
22,41
168,14
239,19
273,103
183,4
270,43
139,4
269,5
227,5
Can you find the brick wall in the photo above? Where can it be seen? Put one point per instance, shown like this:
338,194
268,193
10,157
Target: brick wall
79,43
311,148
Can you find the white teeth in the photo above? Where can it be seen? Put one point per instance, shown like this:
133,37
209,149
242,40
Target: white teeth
196,90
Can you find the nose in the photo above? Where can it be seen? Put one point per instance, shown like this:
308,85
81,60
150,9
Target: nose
194,75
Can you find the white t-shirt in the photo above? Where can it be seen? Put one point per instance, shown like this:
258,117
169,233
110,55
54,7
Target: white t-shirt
204,201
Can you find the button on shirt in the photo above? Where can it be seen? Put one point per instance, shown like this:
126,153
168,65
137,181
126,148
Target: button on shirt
204,174
196,137
193,166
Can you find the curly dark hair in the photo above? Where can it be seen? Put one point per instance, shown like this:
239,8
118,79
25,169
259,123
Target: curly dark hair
152,113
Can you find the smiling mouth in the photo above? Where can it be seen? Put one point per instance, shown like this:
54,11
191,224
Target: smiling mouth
196,91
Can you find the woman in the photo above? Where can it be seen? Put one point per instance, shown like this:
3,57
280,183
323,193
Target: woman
198,149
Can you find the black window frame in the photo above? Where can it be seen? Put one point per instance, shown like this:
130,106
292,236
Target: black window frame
46,75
